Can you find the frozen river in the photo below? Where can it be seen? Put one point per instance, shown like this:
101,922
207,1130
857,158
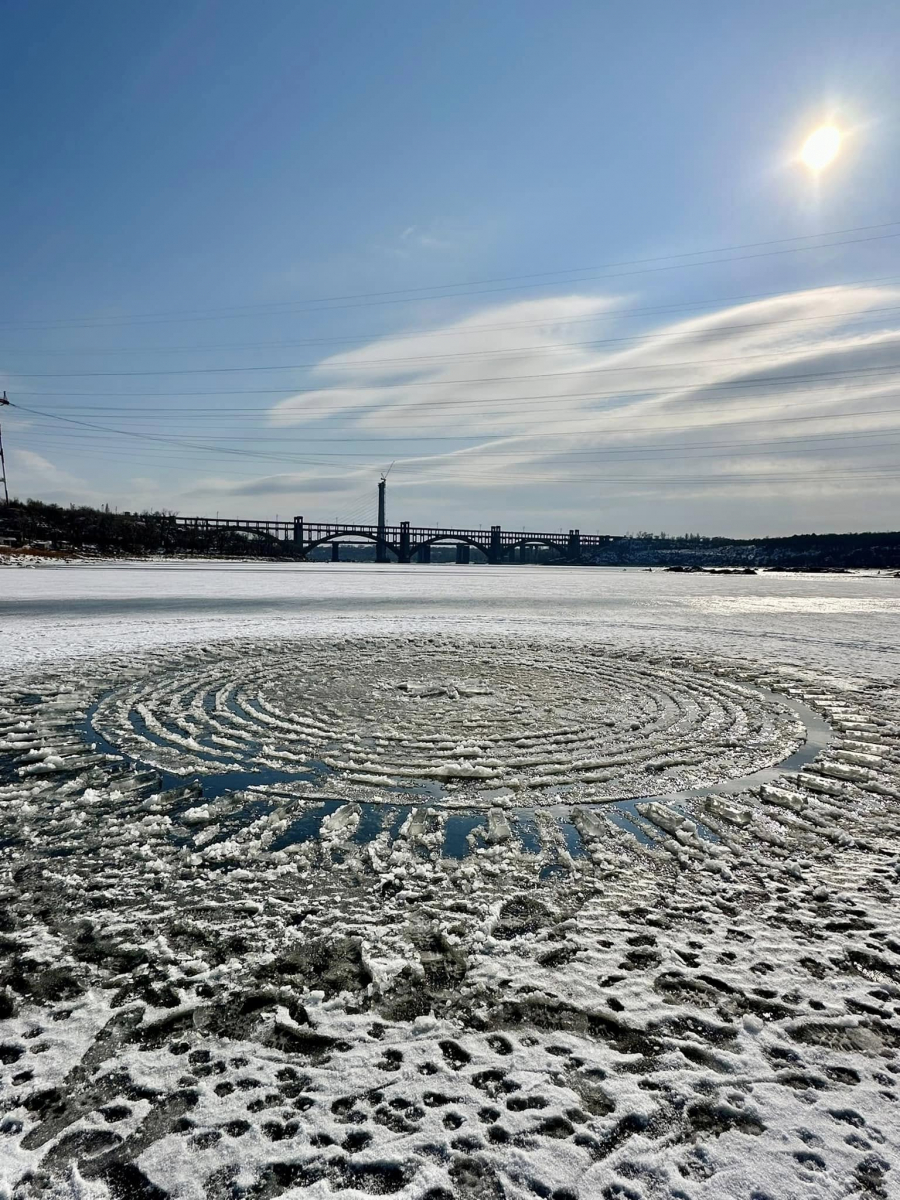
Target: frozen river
447,883
844,623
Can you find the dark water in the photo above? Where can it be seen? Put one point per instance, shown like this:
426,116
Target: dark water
463,830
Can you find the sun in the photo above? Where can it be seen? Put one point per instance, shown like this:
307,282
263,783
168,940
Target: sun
821,147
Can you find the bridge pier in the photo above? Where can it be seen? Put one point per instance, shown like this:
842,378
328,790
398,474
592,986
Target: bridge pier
462,554
403,552
574,546
381,553
335,552
423,554
495,551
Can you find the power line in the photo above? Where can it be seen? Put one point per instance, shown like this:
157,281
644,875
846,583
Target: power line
344,415
514,434
413,294
490,475
854,314
489,479
177,458
719,390
497,478
163,439
590,419
442,331
341,387
720,450
167,440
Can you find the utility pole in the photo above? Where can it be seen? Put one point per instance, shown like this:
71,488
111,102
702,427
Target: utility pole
2,459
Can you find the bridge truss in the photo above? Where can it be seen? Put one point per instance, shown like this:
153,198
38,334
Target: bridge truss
405,541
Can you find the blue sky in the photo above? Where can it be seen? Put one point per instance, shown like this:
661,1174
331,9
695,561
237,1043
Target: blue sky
221,219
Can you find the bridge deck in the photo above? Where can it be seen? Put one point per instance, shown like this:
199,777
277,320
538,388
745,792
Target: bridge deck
402,538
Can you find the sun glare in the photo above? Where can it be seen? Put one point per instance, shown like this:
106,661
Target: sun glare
821,147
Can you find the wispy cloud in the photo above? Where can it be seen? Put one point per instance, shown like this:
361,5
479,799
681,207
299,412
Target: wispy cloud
413,235
558,391
32,474
415,239
299,486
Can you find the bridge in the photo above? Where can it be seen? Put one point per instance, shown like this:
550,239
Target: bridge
406,542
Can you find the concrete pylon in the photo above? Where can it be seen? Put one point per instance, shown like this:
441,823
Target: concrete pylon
403,551
381,555
495,552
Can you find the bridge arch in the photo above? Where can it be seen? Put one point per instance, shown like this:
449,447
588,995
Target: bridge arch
355,535
458,538
535,541
225,526
233,534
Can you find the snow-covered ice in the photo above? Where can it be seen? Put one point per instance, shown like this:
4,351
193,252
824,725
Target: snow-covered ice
849,623
361,881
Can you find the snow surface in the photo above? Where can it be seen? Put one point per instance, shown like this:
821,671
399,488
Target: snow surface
290,988
848,623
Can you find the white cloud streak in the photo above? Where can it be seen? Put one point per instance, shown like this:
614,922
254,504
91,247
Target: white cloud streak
768,416
32,474
727,393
